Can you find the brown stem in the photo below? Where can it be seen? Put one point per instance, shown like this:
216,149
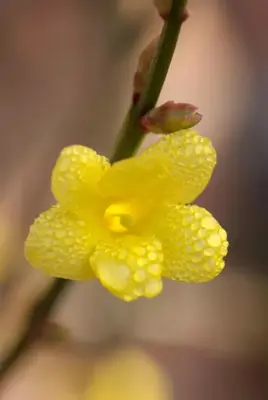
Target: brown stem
37,319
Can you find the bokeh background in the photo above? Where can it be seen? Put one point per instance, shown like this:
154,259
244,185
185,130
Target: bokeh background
66,70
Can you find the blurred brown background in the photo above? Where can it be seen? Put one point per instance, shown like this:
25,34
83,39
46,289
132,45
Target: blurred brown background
66,69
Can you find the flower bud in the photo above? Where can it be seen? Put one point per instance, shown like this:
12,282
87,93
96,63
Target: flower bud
164,8
171,117
144,65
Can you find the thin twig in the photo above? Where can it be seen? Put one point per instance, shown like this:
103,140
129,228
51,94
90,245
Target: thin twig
129,140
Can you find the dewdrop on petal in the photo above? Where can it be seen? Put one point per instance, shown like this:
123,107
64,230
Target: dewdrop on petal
128,374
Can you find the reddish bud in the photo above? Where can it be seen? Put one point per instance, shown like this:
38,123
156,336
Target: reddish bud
164,8
185,15
171,117
144,64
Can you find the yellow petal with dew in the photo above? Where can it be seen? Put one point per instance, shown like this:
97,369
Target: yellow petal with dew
76,175
128,374
129,266
194,244
188,159
60,244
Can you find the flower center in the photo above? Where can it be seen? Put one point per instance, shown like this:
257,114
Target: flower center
120,217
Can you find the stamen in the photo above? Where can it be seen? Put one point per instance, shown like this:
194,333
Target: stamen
120,217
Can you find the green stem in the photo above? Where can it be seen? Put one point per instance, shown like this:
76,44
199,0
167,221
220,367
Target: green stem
129,140
131,133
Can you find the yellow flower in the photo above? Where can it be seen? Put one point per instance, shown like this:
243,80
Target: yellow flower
130,224
128,374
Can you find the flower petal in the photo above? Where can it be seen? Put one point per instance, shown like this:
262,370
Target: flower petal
130,266
133,178
194,243
60,244
189,160
76,175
